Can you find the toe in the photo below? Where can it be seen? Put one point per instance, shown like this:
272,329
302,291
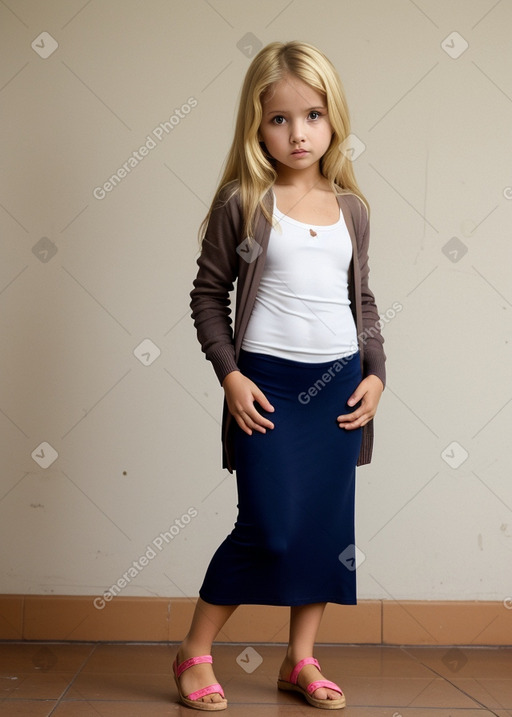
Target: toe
333,695
321,693
214,697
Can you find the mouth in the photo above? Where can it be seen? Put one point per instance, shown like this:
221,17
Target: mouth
300,151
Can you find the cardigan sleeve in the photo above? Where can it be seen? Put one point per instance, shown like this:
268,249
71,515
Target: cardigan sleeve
217,272
374,356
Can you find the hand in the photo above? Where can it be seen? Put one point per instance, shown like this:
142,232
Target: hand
241,393
368,392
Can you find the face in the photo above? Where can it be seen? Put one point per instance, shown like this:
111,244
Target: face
295,126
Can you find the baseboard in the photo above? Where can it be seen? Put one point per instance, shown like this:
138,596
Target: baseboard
143,619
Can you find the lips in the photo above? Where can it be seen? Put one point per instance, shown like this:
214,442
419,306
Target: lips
300,151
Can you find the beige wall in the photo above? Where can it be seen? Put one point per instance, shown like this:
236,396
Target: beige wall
138,438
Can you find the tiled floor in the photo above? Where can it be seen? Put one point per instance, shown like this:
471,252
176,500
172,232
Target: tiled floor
127,680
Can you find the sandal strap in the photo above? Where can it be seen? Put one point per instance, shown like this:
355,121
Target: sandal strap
323,683
191,662
298,667
198,694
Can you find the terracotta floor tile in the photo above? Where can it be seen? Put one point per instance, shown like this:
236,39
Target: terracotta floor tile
410,712
42,657
51,685
112,686
430,712
149,709
257,710
440,693
454,662
26,708
121,708
403,692
493,693
134,680
148,658
375,661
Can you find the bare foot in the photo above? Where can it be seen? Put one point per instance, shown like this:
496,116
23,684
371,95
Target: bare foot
197,677
309,673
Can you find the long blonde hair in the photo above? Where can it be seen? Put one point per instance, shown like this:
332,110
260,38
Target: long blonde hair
248,166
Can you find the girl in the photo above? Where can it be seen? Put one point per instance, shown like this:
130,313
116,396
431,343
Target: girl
302,372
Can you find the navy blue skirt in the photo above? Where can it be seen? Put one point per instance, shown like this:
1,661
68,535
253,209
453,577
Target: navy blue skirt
296,490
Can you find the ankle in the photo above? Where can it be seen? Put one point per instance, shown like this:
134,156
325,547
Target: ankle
296,654
193,648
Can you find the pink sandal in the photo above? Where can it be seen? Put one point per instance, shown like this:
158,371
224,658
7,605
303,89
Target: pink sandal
194,698
292,686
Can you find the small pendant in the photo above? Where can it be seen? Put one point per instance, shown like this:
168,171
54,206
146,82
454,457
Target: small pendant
313,234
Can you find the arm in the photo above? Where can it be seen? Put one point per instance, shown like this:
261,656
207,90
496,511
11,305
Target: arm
371,387
217,272
211,312
374,356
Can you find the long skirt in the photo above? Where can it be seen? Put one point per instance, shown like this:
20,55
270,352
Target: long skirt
293,541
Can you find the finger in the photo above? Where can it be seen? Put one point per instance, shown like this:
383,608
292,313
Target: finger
247,424
356,396
349,420
357,419
366,406
257,421
353,416
240,421
352,425
263,400
254,420
260,398
262,424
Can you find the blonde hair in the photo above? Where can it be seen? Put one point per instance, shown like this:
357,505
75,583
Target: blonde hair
248,167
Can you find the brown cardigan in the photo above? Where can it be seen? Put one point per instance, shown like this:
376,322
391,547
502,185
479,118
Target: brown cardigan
220,265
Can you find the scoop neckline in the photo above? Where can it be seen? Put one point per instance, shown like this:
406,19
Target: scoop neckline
321,227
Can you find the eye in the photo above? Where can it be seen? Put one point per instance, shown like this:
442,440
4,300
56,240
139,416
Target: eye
316,113
278,119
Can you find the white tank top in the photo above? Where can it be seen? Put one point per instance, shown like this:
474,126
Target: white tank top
302,310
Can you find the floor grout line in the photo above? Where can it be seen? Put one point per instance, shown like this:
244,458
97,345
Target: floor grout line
377,669
74,678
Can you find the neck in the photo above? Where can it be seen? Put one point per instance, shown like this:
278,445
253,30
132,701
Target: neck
301,179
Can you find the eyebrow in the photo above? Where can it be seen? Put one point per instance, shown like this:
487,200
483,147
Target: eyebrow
308,109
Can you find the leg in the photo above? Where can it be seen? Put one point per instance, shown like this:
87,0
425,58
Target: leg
208,620
304,624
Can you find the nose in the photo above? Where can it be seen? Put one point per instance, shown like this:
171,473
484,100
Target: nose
297,133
